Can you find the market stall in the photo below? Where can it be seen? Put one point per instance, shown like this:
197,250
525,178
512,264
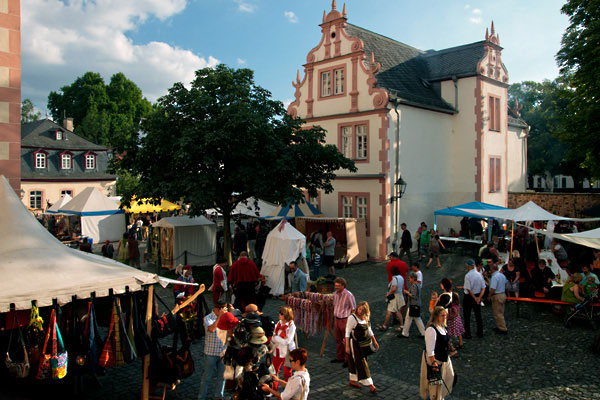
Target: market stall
284,245
186,240
292,211
467,210
101,218
64,199
144,206
350,235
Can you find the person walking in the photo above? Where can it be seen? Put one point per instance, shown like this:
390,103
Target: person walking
424,241
437,372
434,248
414,307
343,305
283,342
329,253
405,242
416,268
134,252
497,297
474,289
213,347
122,252
243,276
358,331
394,299
298,386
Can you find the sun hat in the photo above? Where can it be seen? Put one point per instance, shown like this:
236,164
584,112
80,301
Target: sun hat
258,336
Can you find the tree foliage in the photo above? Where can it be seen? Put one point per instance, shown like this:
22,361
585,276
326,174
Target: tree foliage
225,140
105,114
579,61
28,112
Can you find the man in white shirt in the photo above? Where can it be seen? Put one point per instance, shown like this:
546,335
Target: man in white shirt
474,290
497,297
416,268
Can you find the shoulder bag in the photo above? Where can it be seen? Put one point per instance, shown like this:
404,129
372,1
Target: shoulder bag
53,365
17,369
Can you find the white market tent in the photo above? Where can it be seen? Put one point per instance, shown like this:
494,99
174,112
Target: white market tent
284,244
527,212
64,199
36,266
184,237
589,238
264,209
101,218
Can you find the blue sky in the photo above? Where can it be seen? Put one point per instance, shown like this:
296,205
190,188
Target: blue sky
159,42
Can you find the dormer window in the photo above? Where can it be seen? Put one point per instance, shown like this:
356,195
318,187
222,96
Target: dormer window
90,161
40,158
66,160
59,135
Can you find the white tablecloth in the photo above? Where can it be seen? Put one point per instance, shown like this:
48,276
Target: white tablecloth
553,264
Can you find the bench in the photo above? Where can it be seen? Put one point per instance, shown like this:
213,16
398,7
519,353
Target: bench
541,301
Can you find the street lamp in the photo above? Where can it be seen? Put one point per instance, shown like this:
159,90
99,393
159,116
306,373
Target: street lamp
402,186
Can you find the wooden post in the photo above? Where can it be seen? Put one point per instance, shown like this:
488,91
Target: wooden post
146,360
325,342
512,238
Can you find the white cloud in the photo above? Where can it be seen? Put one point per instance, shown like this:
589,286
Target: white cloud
475,17
467,6
291,16
287,103
241,61
244,6
63,40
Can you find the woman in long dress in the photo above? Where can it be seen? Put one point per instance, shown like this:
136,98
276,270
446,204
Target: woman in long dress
436,358
358,331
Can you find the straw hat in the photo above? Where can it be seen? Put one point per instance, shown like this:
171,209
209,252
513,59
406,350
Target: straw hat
258,336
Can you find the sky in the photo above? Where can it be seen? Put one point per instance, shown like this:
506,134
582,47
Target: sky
156,43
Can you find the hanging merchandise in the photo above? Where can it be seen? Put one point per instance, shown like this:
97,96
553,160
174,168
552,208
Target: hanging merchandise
112,355
19,369
169,364
53,365
129,353
143,343
34,336
165,324
313,312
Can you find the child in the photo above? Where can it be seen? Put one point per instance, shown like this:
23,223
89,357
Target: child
433,301
283,341
455,325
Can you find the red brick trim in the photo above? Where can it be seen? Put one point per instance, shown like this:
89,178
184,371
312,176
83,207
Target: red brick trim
385,187
377,111
354,125
478,138
505,109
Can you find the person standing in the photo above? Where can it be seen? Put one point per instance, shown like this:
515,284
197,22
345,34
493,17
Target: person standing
414,307
405,242
474,289
299,278
497,296
122,253
252,235
108,250
329,253
316,242
243,276
298,386
283,341
240,242
181,291
424,240
358,330
219,285
343,305
134,252
416,268
436,357
213,347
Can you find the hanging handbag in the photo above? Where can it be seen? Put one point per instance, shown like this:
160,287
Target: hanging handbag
34,336
53,365
165,324
17,369
414,311
108,357
143,343
129,354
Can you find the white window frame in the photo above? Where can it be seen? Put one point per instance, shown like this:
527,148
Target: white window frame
59,135
34,197
66,161
347,207
347,141
338,80
88,158
325,83
361,142
40,160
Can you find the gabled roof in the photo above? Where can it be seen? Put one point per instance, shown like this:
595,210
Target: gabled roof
42,133
459,61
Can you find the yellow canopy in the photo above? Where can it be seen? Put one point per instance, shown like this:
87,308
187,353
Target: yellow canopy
148,207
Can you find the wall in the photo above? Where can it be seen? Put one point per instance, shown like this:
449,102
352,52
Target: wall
563,204
10,92
51,190
517,154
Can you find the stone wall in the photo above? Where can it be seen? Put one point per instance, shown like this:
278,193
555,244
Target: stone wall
564,204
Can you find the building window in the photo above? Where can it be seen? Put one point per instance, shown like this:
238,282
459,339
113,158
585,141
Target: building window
333,81
90,161
59,135
539,181
35,199
65,161
564,182
66,191
362,209
353,141
495,115
495,174
40,160
347,207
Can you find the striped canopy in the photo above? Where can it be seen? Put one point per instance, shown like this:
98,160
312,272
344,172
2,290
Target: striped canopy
293,211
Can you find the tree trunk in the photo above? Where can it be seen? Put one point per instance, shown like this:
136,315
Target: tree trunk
227,236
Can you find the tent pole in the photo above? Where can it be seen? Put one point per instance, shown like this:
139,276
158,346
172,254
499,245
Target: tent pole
512,235
146,360
537,246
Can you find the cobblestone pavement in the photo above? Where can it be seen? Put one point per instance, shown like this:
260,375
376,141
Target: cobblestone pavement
538,359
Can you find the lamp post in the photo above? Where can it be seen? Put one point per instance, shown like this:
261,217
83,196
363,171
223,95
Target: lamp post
399,189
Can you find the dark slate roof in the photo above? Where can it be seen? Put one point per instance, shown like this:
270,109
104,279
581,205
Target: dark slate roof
412,74
514,120
42,134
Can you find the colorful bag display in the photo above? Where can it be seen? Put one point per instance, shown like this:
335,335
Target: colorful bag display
112,355
53,365
17,369
127,347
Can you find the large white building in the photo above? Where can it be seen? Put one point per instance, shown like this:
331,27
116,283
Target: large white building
437,119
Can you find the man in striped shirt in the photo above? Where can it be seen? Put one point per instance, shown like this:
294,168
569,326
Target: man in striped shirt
343,305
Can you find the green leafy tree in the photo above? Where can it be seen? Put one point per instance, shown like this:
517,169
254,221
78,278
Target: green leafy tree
223,141
579,62
126,183
28,113
106,114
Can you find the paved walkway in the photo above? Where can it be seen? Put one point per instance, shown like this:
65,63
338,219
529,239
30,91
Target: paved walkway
539,359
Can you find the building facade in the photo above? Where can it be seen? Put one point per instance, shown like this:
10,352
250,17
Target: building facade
436,119
10,92
55,161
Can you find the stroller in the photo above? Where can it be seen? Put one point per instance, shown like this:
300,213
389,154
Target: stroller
584,310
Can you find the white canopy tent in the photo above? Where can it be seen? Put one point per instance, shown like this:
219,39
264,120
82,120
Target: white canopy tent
284,244
64,199
36,266
184,237
527,212
264,209
101,218
589,238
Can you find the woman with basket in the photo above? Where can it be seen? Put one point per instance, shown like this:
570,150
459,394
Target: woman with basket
437,373
360,343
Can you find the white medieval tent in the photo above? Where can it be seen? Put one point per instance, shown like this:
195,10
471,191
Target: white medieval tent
185,240
284,244
101,218
64,199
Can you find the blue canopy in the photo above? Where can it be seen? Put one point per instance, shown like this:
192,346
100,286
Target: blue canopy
474,205
293,211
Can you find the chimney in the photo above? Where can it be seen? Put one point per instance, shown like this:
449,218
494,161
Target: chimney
68,124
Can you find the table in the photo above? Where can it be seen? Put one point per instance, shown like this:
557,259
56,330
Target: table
473,244
553,264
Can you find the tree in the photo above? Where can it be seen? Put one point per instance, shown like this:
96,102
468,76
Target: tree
225,140
28,112
105,114
579,62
